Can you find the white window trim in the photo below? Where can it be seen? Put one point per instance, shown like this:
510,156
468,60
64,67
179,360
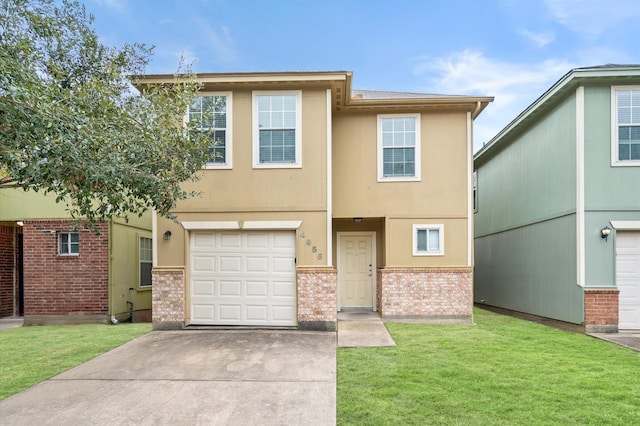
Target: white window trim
418,168
256,132
614,129
59,237
474,191
140,261
228,148
414,239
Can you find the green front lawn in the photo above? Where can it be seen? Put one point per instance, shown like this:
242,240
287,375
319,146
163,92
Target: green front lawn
29,355
502,371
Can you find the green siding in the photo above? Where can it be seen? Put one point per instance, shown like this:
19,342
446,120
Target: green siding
531,269
533,179
611,193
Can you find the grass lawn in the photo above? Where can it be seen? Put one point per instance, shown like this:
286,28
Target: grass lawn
30,355
502,371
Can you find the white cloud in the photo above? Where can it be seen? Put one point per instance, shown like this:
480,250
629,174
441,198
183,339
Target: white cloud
539,39
593,17
220,42
514,85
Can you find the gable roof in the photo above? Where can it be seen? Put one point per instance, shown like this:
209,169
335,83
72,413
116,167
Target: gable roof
343,97
616,74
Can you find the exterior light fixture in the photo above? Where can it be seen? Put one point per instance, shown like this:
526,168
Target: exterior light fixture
357,220
166,236
604,232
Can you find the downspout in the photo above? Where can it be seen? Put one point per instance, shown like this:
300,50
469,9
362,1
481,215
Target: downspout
110,273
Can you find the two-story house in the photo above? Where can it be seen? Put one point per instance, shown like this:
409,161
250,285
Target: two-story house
557,226
320,198
53,270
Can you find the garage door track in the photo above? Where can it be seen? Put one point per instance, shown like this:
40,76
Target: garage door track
204,377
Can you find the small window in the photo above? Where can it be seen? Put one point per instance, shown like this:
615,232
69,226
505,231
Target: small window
277,133
625,135
399,147
68,243
212,115
428,240
475,190
145,252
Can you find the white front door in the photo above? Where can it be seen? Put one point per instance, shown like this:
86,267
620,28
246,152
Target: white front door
628,278
243,278
356,270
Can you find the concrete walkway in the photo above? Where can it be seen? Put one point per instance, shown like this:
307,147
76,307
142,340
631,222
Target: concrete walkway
362,330
205,377
11,322
628,339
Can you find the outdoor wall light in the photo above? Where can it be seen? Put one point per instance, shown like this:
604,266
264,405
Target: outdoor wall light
166,236
604,232
357,219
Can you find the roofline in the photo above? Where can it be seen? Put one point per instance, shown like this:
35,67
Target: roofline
573,77
342,78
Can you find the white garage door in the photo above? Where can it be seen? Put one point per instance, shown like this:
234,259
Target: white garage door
628,278
243,278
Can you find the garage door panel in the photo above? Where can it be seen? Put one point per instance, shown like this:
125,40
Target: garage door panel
243,278
258,264
628,278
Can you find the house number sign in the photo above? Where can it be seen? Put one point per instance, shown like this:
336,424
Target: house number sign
309,243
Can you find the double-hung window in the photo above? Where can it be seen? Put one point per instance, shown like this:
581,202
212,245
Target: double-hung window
399,147
145,257
625,132
210,113
277,130
428,240
68,243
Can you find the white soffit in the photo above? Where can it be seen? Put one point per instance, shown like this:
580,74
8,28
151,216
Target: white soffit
626,224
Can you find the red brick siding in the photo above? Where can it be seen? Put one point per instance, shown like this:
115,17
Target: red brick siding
8,277
601,307
65,285
317,295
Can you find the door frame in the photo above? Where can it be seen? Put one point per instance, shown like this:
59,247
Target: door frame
374,269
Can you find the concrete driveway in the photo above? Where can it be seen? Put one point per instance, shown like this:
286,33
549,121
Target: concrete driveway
204,377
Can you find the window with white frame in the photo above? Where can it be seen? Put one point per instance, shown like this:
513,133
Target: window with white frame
211,114
428,240
277,129
625,117
145,256
399,147
68,243
475,190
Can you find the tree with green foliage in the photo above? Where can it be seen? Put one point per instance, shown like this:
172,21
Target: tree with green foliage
71,123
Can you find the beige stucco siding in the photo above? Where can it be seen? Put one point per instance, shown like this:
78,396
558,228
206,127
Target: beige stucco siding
245,189
440,197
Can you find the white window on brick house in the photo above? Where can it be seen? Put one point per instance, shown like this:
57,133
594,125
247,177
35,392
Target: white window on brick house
625,128
145,255
68,243
211,113
399,147
277,129
428,240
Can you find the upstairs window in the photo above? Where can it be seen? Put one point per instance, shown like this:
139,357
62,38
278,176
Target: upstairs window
428,240
277,132
212,115
145,255
68,243
625,139
399,147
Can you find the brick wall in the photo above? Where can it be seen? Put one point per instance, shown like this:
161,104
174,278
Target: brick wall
317,299
56,285
8,278
601,310
168,299
434,294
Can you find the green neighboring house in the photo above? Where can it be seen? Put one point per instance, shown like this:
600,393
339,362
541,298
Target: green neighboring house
55,272
557,220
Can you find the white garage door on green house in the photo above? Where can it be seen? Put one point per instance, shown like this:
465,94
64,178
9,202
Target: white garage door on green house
243,278
628,279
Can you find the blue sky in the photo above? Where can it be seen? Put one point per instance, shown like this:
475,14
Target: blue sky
511,49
